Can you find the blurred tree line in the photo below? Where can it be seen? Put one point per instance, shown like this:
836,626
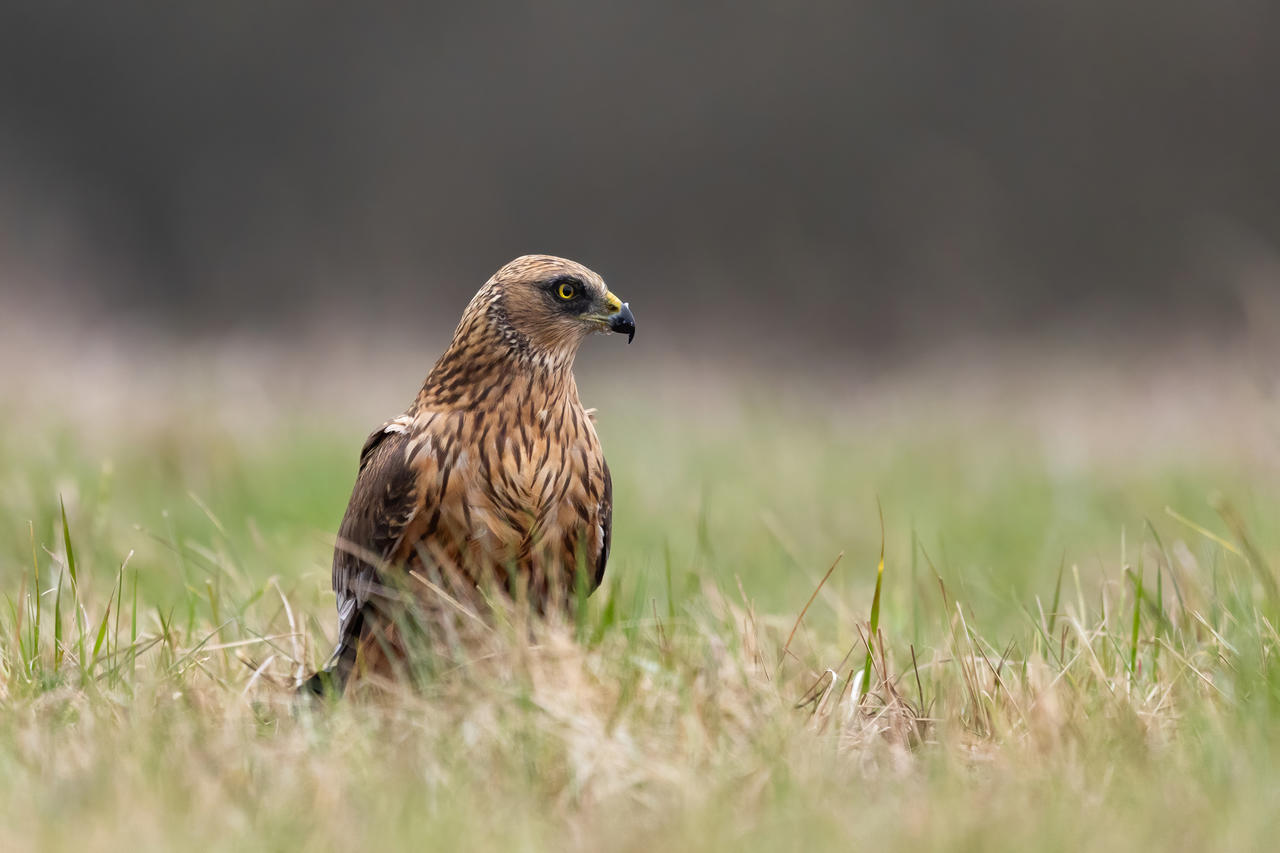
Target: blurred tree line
867,172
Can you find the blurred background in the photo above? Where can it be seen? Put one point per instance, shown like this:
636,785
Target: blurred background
760,180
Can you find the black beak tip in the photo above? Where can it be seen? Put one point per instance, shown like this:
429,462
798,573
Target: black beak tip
624,323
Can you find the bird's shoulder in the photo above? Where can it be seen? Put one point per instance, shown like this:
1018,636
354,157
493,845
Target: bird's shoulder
387,499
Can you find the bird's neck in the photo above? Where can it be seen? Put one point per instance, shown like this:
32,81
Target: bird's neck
490,363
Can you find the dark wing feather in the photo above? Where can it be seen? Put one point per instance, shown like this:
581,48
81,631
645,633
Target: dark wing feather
383,503
606,525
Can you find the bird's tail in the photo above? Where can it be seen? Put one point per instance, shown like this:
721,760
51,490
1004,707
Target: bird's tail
332,679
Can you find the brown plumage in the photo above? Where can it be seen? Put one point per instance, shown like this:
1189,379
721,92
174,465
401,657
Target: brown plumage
494,476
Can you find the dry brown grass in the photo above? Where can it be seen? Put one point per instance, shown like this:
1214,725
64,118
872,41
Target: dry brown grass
699,703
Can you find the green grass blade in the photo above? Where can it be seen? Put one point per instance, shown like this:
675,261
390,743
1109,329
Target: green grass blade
1137,619
35,570
1252,556
133,626
916,598
875,611
97,643
66,541
1202,530
113,645
1173,576
1057,595
671,594
57,624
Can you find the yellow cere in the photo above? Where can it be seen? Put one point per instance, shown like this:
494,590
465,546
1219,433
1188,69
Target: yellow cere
614,303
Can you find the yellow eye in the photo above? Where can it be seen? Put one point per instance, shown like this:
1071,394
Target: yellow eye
566,291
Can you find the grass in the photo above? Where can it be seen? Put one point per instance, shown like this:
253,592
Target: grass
1060,648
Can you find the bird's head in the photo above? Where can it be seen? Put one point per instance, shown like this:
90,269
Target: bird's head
553,303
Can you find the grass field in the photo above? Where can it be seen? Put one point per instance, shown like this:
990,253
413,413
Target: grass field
1075,633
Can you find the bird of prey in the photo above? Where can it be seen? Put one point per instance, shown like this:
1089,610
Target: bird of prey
494,475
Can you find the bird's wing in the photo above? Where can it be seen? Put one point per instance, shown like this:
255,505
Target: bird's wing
384,503
605,520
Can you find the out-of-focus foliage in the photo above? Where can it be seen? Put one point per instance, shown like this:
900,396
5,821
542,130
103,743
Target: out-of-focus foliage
855,174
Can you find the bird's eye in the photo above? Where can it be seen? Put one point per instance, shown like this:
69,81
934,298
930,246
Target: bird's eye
566,291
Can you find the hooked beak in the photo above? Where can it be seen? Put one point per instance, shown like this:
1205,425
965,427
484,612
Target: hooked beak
623,322
617,317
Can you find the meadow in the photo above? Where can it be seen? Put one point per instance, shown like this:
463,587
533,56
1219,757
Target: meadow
1071,642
